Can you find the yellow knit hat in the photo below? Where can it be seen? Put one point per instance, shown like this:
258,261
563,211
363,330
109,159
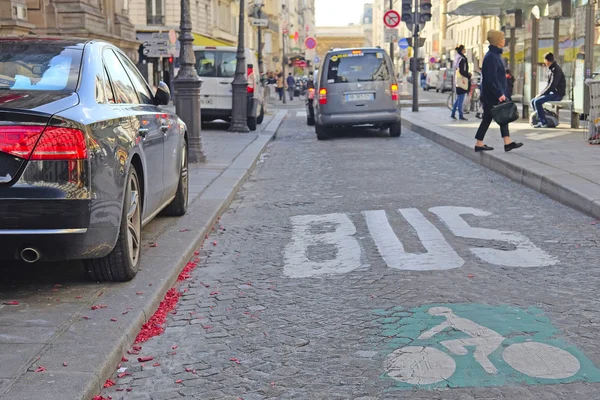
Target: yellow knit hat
495,37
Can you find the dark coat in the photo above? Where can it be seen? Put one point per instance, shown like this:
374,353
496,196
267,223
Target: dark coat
493,77
463,69
557,83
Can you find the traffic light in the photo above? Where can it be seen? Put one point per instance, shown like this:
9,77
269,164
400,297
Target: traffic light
417,63
425,11
407,14
420,43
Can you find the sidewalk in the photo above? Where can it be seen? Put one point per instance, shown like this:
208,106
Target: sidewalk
557,162
54,344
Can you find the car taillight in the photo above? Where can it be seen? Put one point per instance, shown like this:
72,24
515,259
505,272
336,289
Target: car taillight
35,143
323,96
394,92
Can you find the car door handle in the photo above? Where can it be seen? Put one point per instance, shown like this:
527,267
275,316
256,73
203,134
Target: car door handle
225,83
143,132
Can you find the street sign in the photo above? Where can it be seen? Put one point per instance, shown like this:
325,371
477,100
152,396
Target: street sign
310,43
263,22
391,18
162,44
403,43
390,35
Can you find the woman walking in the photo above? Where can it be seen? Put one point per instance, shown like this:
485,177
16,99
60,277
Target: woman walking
280,85
463,76
493,91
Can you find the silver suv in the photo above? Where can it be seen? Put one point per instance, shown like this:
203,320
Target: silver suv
356,87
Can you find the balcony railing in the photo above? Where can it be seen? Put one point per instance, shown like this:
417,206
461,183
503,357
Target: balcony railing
155,20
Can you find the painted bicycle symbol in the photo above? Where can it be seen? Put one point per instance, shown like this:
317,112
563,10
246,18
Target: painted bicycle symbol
422,365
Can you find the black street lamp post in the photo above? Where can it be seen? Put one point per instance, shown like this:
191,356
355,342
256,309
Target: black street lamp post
187,85
239,117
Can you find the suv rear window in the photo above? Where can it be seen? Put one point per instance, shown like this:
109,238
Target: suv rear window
26,66
357,66
220,64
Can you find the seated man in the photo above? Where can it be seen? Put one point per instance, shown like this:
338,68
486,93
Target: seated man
554,91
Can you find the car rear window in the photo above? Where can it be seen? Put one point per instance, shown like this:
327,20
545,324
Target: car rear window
219,64
357,66
32,67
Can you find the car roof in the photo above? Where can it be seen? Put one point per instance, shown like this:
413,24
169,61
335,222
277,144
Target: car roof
46,40
226,48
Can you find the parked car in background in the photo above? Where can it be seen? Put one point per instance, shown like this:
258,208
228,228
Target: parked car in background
87,155
433,77
446,80
216,66
357,87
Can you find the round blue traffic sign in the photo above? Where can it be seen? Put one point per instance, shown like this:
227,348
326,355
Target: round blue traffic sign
403,43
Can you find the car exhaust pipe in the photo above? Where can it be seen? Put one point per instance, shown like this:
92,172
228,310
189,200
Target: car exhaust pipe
30,255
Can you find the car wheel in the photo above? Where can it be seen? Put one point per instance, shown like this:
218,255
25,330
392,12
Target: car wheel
178,206
395,129
310,121
252,123
261,117
322,132
123,262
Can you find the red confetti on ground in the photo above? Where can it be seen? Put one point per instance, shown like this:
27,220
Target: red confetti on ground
65,364
102,398
113,319
119,389
133,352
214,293
196,253
153,245
144,359
40,369
172,353
123,359
470,276
136,347
272,383
156,365
109,383
235,360
174,347
184,230
125,312
99,306
123,374
86,317
11,303
214,243
77,297
138,293
154,326
179,381
100,294
187,271
149,284
129,389
207,327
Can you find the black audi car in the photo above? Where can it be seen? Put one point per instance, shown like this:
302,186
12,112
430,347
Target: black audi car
87,155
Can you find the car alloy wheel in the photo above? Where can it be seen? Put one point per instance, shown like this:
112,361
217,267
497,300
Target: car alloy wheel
134,231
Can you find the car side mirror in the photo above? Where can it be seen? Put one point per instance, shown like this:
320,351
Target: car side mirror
163,94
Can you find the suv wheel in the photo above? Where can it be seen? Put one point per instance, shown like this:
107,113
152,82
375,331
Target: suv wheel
322,132
395,129
123,262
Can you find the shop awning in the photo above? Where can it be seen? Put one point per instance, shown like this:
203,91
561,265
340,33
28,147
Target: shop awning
201,40
493,7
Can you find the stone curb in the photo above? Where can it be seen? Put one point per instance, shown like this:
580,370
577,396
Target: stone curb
564,187
95,349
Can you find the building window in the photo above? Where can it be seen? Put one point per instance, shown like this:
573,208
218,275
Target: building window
19,11
224,16
154,12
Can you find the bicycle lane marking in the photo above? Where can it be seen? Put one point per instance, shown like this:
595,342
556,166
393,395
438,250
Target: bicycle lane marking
475,345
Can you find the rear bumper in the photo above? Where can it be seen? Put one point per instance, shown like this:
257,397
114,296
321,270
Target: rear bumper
379,117
58,229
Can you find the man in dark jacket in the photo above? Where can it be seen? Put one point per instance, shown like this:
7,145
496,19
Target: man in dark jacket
554,91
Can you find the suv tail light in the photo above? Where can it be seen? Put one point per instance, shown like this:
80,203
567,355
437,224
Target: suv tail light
323,96
394,92
250,89
33,142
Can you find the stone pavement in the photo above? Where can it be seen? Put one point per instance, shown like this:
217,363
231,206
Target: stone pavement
557,162
54,344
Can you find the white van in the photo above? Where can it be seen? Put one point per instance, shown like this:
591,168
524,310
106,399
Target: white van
216,67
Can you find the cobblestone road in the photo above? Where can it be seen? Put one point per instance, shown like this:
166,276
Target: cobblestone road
260,318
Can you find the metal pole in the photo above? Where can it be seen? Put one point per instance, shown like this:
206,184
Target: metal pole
187,86
239,112
260,57
415,69
283,66
391,40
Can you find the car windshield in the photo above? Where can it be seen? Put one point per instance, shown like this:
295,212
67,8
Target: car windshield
36,67
357,66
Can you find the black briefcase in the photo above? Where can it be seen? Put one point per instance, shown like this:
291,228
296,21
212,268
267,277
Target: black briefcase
505,113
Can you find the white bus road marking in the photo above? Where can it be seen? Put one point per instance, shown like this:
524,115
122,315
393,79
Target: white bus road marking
348,254
439,256
526,254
